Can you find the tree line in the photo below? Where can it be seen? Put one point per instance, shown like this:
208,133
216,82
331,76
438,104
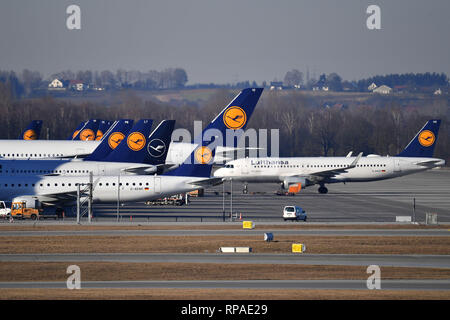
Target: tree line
377,125
25,83
295,78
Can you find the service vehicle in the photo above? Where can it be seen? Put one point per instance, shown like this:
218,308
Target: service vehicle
5,212
20,210
294,213
176,200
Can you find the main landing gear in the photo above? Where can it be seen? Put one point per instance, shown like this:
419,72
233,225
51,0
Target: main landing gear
323,189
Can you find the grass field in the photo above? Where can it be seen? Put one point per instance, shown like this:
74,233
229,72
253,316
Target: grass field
108,271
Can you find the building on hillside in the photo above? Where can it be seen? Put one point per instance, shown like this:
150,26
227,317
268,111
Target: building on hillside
55,84
383,90
372,87
276,85
76,85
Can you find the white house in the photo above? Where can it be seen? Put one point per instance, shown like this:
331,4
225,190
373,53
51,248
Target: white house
372,87
56,84
383,89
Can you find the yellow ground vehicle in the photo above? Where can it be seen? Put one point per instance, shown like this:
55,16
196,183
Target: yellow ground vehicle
20,210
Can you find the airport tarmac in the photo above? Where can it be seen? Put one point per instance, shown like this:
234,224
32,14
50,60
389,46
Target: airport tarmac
240,232
241,284
378,201
387,260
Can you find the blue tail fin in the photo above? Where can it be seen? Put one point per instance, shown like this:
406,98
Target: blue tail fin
112,138
424,142
133,148
76,131
158,143
199,163
237,113
234,116
33,131
102,128
88,131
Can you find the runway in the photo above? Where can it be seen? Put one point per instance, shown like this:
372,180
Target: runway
378,201
421,261
242,232
242,284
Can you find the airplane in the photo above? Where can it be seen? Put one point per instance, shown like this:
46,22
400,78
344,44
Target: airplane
102,128
243,104
109,158
87,132
296,173
39,191
77,130
32,131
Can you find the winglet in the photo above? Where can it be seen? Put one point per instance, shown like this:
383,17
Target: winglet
355,162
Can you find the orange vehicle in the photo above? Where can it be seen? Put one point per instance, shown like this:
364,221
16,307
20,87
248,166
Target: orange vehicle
20,210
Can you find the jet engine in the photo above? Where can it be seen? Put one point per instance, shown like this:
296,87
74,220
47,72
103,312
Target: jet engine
294,184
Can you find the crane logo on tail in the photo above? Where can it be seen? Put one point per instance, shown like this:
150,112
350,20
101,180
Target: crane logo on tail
87,135
29,135
115,138
156,148
136,141
99,135
426,138
234,118
203,155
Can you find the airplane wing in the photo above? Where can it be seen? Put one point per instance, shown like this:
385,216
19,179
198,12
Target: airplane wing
50,199
141,169
427,163
210,182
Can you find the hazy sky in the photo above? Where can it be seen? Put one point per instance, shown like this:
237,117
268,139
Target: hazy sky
227,40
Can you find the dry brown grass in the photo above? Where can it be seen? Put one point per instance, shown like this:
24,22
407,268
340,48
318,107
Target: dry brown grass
204,244
220,294
108,271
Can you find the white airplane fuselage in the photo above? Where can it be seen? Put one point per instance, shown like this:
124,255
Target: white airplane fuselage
45,149
74,167
371,168
107,189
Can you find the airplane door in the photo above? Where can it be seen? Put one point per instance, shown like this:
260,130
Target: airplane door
101,170
244,168
397,165
157,185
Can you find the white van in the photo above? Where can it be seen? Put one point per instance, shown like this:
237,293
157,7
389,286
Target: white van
4,211
294,213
